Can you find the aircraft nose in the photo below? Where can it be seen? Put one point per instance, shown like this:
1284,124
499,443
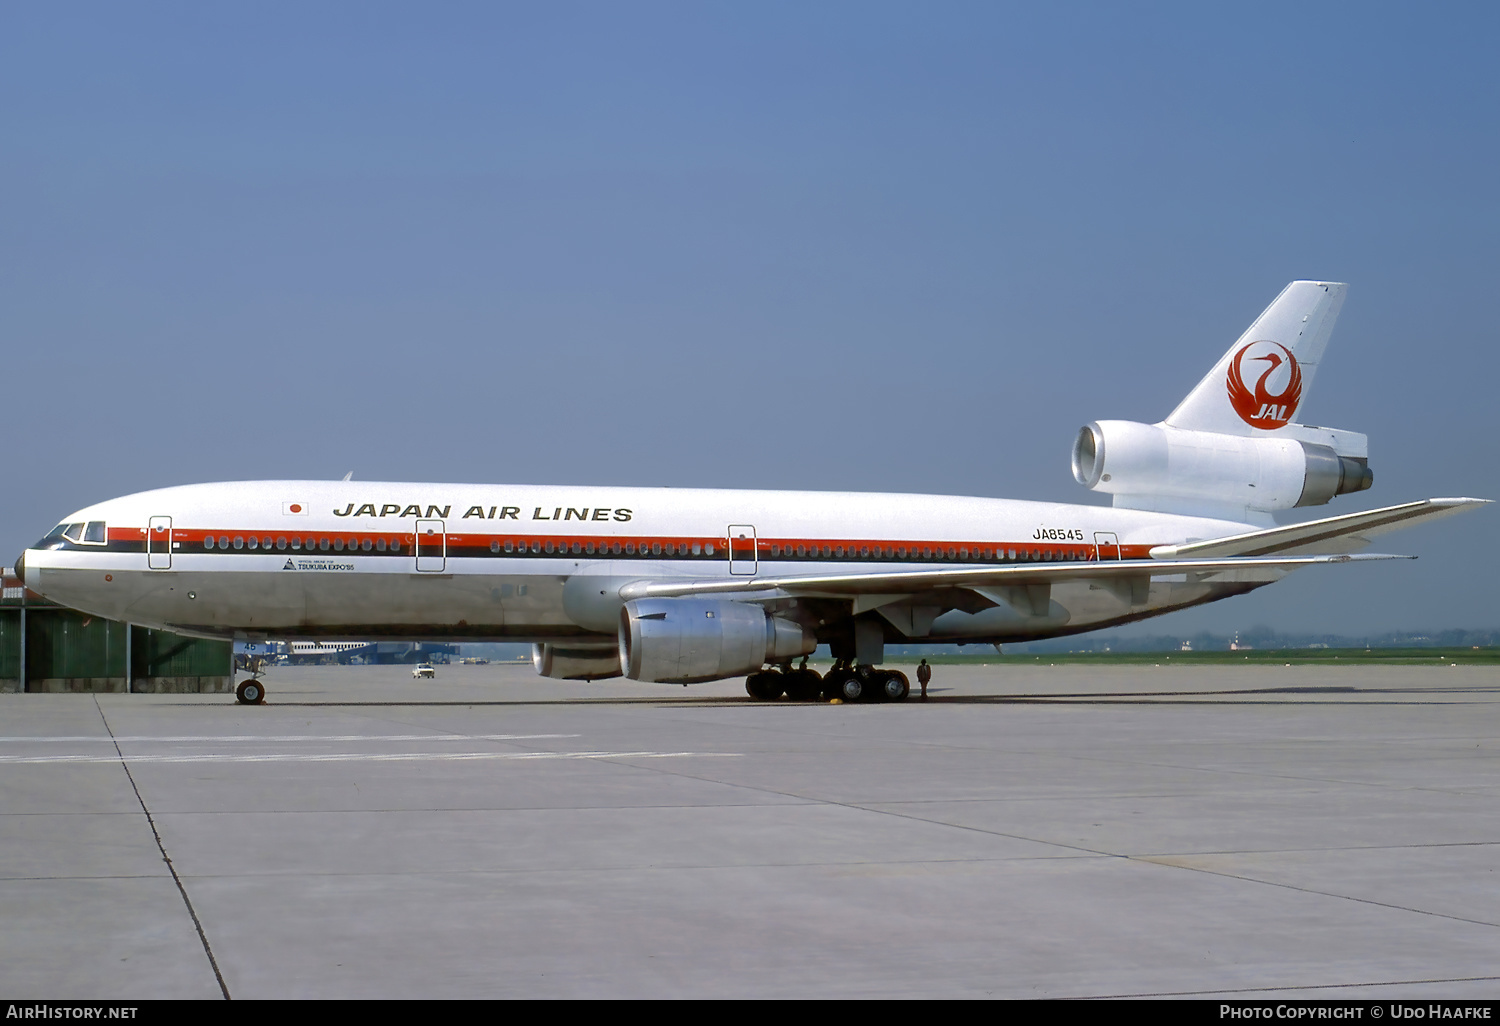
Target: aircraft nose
21,568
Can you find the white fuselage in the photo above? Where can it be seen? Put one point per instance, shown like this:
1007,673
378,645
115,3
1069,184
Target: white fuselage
325,560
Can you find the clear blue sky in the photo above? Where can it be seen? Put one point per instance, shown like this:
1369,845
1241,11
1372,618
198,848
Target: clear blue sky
908,247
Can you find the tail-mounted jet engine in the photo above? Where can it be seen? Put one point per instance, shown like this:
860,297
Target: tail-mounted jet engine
683,641
1155,466
575,663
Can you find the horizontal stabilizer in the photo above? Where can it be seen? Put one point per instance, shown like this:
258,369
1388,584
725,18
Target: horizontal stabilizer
1347,533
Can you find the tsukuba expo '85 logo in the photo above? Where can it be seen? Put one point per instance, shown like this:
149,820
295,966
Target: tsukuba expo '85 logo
1273,399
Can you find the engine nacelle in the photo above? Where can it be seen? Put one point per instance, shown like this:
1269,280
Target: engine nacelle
1141,464
687,640
575,663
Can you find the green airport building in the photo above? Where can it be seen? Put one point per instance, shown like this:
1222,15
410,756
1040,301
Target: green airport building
45,647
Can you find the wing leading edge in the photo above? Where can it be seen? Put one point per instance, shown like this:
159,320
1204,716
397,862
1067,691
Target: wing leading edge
1345,533
892,586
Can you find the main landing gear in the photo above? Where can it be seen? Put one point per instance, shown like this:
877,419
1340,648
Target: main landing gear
846,682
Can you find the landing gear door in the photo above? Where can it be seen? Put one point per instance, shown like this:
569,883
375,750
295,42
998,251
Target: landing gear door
159,543
742,549
431,547
1107,545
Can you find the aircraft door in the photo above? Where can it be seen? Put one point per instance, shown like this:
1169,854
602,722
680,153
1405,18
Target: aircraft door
1107,545
742,555
431,547
159,543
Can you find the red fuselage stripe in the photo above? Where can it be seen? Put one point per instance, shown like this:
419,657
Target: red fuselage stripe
667,545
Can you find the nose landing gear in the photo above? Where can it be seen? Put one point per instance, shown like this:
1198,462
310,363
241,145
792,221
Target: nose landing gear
252,691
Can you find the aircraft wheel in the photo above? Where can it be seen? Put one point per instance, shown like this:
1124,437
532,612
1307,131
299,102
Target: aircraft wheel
765,686
803,685
851,687
894,687
250,692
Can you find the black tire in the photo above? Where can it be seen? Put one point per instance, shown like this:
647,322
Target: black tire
250,692
851,687
765,686
804,685
894,687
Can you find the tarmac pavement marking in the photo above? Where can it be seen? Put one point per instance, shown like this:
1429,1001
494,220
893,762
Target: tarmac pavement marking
11,760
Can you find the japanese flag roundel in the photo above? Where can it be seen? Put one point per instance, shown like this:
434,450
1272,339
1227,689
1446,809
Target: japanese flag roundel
1272,400
294,509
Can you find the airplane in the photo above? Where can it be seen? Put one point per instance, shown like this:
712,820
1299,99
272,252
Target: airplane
688,585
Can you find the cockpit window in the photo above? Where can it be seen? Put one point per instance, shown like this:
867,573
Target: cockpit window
94,533
56,532
73,532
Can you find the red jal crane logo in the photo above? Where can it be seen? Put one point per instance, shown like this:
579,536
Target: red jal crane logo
1260,407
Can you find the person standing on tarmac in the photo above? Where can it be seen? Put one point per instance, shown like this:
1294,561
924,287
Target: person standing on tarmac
924,674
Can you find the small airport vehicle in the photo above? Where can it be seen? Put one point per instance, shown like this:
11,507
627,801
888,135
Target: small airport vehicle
682,585
423,670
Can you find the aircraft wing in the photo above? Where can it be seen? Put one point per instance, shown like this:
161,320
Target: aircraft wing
875,589
1347,533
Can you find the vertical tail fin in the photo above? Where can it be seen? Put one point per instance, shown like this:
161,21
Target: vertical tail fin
1261,383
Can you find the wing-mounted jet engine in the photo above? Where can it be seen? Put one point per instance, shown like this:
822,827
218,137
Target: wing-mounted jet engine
1234,448
576,662
686,640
